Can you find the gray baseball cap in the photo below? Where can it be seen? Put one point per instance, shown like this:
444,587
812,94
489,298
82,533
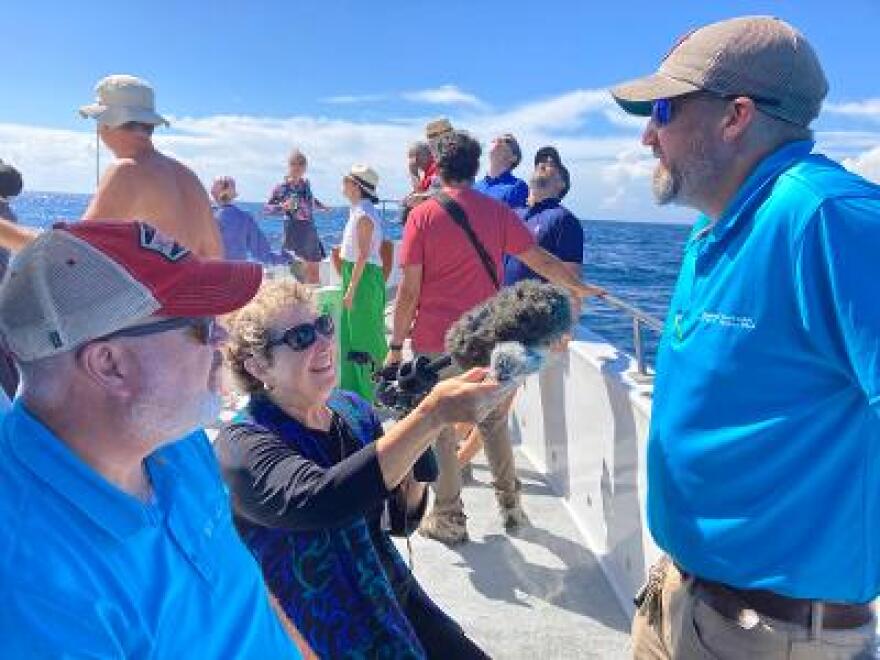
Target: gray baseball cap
761,57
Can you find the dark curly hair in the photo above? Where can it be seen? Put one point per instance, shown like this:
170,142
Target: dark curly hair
458,157
10,180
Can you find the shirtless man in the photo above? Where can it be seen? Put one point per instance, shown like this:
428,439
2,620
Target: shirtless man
144,184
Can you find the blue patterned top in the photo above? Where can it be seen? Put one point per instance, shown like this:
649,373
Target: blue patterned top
321,545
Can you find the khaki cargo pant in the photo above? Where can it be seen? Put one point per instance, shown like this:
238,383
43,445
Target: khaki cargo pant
499,454
674,623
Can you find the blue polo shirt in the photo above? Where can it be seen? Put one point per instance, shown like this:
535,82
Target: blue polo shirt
764,449
505,188
556,230
89,571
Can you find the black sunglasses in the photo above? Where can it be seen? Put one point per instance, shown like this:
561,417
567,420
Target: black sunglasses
301,336
204,328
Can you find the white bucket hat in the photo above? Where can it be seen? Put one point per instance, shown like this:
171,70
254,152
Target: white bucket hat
121,99
365,177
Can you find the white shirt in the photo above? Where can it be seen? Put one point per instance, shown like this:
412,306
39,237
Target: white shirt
348,251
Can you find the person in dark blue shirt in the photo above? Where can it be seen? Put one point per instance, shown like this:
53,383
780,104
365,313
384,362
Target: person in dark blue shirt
556,229
499,183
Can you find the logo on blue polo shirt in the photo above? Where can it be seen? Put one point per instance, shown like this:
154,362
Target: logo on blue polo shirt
728,320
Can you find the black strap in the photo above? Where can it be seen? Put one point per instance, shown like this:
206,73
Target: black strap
460,217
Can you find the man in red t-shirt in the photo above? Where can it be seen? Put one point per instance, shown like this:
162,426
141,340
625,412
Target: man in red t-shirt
443,277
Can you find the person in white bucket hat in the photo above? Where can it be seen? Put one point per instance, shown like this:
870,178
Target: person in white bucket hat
144,184
123,99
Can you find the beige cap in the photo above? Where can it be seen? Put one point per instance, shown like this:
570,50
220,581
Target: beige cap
365,177
438,127
121,99
761,57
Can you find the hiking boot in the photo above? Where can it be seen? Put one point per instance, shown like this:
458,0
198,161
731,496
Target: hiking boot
513,517
448,528
509,506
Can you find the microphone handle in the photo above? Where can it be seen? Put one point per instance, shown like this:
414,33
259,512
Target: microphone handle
440,363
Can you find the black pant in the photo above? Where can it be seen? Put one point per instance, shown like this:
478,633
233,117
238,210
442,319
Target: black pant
8,374
441,637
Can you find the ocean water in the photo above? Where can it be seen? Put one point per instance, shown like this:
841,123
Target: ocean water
637,262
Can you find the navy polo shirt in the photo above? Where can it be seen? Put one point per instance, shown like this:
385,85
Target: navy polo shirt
505,188
764,448
556,230
90,571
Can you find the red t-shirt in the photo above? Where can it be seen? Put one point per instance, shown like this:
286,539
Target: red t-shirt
454,279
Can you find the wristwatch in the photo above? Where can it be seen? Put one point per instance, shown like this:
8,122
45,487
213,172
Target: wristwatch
395,347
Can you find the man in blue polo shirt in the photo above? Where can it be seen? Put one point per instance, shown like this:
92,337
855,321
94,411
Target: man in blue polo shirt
764,446
504,156
118,541
556,228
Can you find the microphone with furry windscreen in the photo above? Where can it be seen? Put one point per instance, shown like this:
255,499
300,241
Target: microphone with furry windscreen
531,313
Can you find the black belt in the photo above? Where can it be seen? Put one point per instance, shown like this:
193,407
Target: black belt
729,602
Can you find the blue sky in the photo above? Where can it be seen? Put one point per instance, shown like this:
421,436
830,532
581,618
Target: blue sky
355,81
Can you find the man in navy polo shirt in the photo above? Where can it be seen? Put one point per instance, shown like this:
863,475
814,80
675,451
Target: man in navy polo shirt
556,229
764,447
117,538
504,156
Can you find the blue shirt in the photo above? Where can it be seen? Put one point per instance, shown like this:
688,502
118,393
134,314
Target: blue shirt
505,188
556,230
242,238
764,449
89,571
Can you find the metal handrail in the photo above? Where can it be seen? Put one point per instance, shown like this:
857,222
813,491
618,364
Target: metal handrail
639,318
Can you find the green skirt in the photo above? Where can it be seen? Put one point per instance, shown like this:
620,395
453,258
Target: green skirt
362,328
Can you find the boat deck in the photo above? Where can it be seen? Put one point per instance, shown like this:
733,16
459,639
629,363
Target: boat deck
537,594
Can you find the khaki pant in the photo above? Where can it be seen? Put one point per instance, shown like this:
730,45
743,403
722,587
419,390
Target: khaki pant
499,454
681,626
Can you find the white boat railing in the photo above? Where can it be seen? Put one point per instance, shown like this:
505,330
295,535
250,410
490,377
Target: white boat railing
639,318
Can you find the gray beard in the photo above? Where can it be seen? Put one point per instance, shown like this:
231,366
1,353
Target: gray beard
161,421
664,185
692,181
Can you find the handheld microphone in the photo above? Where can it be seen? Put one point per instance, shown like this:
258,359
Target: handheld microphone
531,313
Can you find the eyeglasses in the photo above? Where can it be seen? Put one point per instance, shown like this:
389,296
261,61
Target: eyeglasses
301,336
662,109
204,328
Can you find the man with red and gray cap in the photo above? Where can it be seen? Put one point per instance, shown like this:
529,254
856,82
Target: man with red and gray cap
765,427
118,539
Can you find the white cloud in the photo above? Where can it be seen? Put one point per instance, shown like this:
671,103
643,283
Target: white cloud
352,99
868,108
600,145
445,95
866,164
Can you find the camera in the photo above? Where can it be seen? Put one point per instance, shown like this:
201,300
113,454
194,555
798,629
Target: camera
401,387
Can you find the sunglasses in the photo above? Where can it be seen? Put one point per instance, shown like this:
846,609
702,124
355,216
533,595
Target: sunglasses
662,109
204,328
301,336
